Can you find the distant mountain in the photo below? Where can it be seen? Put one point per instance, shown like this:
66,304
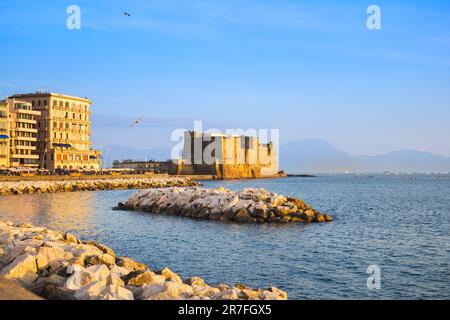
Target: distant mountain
115,152
317,156
312,156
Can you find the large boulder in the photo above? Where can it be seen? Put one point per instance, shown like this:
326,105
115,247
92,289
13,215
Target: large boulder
170,275
130,264
285,210
21,267
53,257
139,278
82,277
115,292
103,258
243,216
103,248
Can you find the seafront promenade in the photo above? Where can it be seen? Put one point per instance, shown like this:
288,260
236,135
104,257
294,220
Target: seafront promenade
71,185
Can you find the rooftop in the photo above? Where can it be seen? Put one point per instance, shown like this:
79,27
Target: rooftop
39,94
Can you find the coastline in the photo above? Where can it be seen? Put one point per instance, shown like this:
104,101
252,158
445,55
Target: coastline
57,265
39,186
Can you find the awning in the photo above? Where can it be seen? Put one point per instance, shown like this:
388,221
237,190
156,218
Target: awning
4,136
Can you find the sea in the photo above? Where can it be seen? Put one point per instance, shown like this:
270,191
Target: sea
390,238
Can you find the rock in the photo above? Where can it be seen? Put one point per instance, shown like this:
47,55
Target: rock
53,292
70,238
285,210
115,292
308,215
170,290
53,257
103,248
279,292
91,291
130,264
243,216
140,277
103,258
195,281
74,268
82,277
151,290
11,290
229,214
170,275
319,217
250,294
278,200
273,294
17,251
21,265
229,294
120,271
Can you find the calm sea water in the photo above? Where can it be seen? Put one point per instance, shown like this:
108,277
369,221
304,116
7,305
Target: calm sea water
400,223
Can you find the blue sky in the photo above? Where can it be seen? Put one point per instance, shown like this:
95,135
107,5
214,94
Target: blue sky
310,68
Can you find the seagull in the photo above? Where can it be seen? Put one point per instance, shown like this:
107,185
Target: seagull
127,14
136,122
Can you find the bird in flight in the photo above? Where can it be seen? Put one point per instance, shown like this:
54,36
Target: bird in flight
136,122
127,14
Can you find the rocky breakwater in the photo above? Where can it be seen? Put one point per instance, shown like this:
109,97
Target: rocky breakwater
248,205
29,187
56,265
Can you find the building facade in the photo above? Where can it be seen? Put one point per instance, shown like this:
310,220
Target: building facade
159,167
4,134
227,156
64,131
23,134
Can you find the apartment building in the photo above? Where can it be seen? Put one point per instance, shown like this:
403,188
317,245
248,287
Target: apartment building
4,134
22,134
64,131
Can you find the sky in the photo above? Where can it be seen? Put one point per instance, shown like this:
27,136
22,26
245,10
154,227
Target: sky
311,69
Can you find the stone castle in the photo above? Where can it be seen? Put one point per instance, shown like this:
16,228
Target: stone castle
226,156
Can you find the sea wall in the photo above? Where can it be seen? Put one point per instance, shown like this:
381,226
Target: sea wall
56,265
248,205
28,187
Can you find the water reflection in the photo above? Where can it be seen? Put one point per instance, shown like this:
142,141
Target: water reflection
58,210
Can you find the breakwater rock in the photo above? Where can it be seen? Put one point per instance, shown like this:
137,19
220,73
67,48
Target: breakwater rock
56,265
29,187
248,205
